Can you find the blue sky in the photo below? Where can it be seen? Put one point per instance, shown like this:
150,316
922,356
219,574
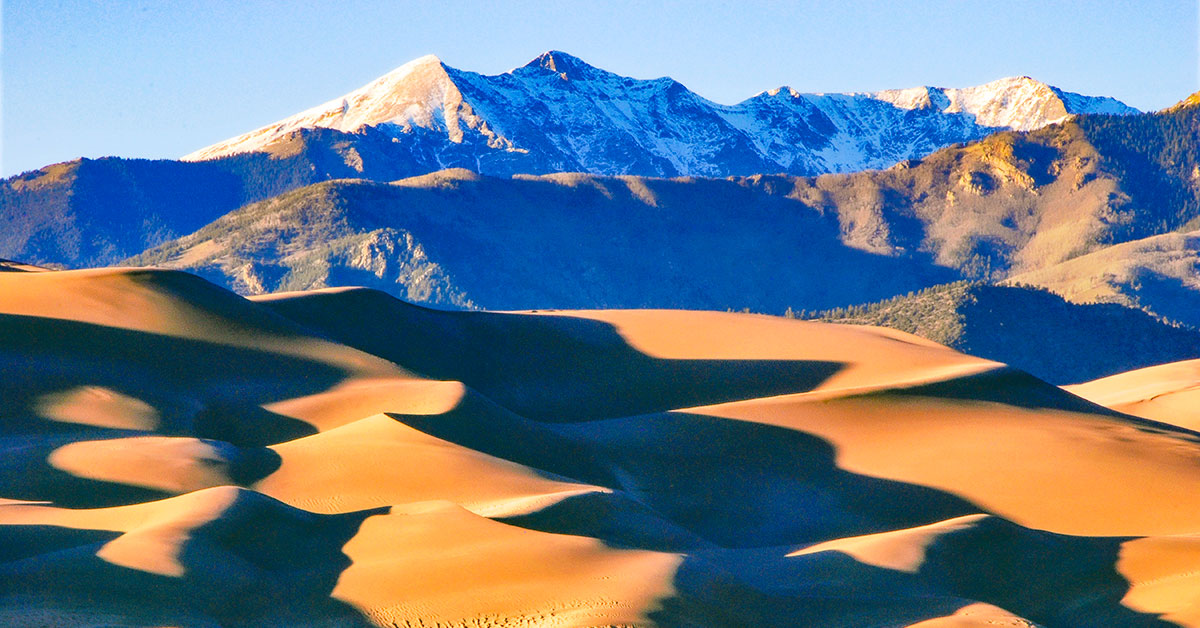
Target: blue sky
139,78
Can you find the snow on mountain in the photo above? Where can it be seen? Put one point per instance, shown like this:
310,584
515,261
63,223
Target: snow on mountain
419,93
557,113
1019,103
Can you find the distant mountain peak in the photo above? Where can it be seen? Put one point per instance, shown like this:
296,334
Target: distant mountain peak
429,59
428,64
1024,78
786,91
563,63
418,93
1020,103
559,113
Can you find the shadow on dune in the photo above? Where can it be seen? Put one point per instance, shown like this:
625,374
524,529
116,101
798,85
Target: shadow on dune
615,518
18,542
191,387
738,484
247,424
27,473
275,561
478,423
198,388
1050,579
830,589
1053,579
259,563
1007,385
1014,387
546,367
735,497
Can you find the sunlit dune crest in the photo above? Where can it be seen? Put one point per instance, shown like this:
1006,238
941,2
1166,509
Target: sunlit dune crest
175,454
1169,393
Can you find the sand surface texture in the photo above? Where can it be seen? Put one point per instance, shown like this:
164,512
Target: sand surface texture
176,455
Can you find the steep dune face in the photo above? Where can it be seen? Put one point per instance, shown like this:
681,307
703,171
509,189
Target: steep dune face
174,454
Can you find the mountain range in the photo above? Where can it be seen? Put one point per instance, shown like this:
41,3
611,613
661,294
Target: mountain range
1011,204
315,451
456,238
1036,186
559,114
554,114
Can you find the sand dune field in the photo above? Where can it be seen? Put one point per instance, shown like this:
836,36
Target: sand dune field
177,455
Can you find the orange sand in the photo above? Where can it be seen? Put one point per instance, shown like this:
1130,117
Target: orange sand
177,455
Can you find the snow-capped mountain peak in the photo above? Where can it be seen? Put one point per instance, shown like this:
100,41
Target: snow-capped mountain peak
567,65
559,113
1020,103
781,91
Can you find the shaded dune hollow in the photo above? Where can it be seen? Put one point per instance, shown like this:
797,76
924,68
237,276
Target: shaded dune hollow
174,454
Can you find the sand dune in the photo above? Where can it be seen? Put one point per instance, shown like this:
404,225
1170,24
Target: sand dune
172,304
378,461
563,366
1169,393
174,454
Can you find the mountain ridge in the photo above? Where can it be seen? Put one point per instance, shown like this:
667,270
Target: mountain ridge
1012,203
1014,324
559,113
455,238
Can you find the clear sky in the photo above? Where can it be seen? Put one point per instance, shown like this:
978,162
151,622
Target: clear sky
159,78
